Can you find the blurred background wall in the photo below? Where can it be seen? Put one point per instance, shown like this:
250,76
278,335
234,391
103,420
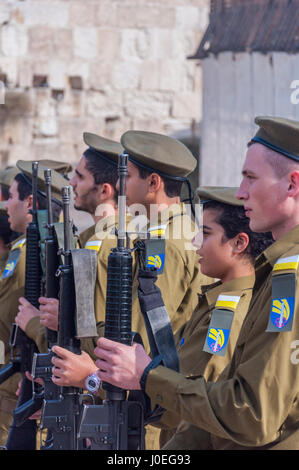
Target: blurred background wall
102,66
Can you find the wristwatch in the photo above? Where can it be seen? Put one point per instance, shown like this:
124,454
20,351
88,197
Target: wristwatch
92,383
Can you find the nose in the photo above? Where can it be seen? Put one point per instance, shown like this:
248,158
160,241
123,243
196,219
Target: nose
197,240
117,185
72,181
241,193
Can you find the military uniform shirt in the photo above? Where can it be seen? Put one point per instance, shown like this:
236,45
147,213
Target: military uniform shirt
190,339
254,403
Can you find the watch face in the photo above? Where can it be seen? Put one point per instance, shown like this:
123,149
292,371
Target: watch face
93,383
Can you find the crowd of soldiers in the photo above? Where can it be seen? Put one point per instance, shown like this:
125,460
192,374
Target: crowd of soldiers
215,366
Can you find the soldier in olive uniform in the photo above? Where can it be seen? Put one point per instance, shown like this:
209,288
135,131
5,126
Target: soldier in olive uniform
254,403
227,253
13,277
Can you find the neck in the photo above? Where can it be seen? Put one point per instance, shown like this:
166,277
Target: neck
104,210
159,204
284,228
239,270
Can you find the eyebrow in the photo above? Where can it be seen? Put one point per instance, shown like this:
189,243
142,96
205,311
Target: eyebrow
247,172
206,227
78,173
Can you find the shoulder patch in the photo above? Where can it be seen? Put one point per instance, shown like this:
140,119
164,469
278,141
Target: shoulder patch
93,245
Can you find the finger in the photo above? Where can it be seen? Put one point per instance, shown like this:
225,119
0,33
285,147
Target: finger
61,352
24,302
107,344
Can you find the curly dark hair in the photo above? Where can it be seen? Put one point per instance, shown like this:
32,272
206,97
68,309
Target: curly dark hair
233,221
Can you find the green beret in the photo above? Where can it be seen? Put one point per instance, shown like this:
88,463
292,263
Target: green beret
3,210
61,167
57,180
222,194
8,175
279,134
158,153
104,148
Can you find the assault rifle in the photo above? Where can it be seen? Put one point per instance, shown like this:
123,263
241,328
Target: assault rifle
23,437
117,424
41,362
61,412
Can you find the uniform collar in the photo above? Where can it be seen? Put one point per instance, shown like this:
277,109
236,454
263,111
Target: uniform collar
168,214
212,291
278,248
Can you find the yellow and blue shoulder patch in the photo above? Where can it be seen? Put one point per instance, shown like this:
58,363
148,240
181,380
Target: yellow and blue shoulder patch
283,294
220,324
93,245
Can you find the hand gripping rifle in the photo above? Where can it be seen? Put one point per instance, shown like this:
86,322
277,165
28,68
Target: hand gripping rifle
41,362
23,436
61,412
117,424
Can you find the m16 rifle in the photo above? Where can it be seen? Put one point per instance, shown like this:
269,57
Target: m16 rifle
23,437
41,362
117,424
61,412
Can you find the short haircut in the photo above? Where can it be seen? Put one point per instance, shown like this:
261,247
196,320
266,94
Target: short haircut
233,221
172,187
25,190
280,164
102,171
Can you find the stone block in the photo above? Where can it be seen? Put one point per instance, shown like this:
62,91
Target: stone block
139,104
109,44
41,41
14,40
63,43
133,15
83,15
47,12
135,44
126,75
57,74
86,43
186,105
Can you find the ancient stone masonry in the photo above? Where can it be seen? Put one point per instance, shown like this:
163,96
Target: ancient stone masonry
103,66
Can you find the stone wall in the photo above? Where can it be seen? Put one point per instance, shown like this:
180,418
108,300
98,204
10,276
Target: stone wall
101,66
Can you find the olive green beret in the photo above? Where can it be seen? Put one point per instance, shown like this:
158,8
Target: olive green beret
57,180
8,175
279,134
159,153
104,148
61,167
222,194
3,208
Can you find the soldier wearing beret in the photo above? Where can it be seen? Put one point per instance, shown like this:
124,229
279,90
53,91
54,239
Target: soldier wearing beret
254,402
13,276
228,250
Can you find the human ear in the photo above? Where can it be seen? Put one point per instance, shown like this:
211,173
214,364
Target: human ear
154,182
240,242
293,188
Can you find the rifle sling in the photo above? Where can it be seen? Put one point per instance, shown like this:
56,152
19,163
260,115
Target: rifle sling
157,322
